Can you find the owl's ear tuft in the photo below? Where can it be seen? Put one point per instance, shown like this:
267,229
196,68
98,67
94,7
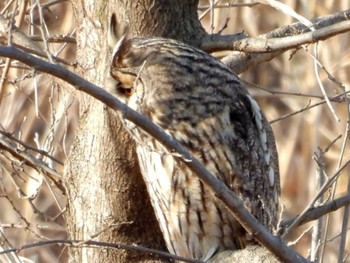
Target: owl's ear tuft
115,31
126,52
117,36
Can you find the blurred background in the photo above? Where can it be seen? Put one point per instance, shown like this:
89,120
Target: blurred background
38,111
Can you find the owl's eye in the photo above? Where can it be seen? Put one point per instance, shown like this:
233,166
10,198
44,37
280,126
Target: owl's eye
125,91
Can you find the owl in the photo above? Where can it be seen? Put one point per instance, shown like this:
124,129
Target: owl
202,104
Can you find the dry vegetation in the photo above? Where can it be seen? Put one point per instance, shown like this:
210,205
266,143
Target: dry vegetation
37,111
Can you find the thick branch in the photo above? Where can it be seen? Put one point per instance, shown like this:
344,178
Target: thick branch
283,38
250,223
261,45
277,41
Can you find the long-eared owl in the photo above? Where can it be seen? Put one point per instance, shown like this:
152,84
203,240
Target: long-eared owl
201,103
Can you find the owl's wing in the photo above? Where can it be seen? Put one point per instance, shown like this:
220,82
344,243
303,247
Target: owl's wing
236,144
265,174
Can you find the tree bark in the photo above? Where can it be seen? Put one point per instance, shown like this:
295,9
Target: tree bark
107,199
175,19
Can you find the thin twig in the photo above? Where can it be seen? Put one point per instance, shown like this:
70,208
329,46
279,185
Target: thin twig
347,208
7,6
19,212
341,155
325,186
93,243
55,39
317,227
207,11
44,31
316,212
344,228
227,5
309,106
24,42
28,158
276,91
16,23
296,240
317,64
28,147
12,257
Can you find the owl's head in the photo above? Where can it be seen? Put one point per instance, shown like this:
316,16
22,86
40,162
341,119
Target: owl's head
128,51
121,81
131,58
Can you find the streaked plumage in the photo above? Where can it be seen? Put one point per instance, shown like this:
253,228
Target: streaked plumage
201,103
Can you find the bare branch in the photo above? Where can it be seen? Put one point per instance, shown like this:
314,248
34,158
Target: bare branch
5,245
261,45
18,36
228,5
297,34
17,23
30,160
28,147
321,191
316,212
22,41
338,98
317,227
93,243
55,39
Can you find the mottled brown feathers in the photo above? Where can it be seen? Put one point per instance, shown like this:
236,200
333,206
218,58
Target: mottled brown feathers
202,104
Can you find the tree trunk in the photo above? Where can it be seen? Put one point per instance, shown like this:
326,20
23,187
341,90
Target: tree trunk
106,193
175,19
